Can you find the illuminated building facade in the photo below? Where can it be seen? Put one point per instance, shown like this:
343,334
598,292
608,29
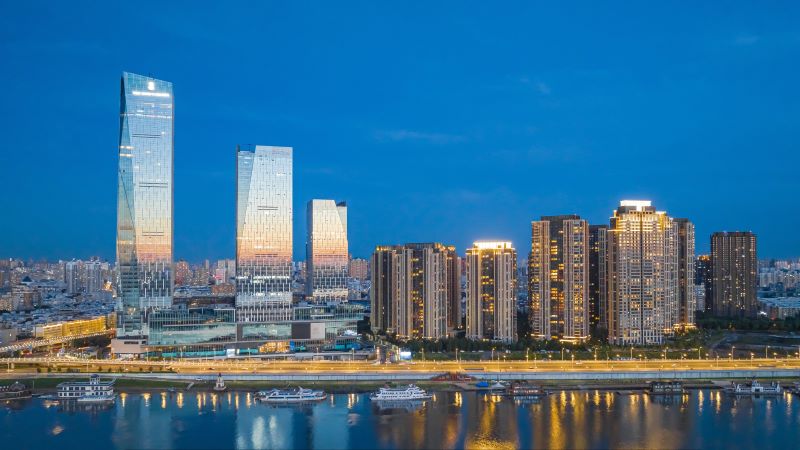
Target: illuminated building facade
734,274
327,254
412,290
359,269
596,272
217,332
144,201
558,278
642,275
687,302
491,291
264,233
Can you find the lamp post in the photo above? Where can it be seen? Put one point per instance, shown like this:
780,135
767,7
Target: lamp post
766,349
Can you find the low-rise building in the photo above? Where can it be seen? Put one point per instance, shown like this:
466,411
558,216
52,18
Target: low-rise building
780,307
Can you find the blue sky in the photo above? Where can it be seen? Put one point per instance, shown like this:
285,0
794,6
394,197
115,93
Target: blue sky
449,122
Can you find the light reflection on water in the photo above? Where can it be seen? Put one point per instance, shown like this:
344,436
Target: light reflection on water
574,419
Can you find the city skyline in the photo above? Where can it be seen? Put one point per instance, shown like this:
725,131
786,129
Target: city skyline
545,111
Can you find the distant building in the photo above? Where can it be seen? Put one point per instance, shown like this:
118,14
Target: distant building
734,269
183,274
327,252
264,233
558,278
144,201
359,269
642,276
415,291
491,291
780,308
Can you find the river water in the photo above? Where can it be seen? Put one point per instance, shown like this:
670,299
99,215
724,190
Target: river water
569,419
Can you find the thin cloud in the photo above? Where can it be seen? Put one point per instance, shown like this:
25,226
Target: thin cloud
410,135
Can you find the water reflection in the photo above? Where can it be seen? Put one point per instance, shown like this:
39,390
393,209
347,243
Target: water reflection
571,419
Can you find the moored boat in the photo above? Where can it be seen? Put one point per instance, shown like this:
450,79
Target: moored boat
666,388
14,391
297,395
410,392
754,388
94,390
524,390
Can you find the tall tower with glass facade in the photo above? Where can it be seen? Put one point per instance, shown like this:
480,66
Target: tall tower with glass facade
144,200
326,252
264,233
558,278
491,291
643,297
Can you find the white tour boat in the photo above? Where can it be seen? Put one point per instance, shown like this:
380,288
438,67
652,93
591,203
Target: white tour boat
94,390
298,395
754,388
410,392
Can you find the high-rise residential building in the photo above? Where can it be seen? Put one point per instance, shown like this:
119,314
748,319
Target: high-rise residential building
642,277
596,272
491,291
734,274
326,252
558,278
687,303
74,276
228,268
359,269
264,233
144,200
95,281
412,290
702,279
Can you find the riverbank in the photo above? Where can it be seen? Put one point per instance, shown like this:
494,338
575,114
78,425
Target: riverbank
42,385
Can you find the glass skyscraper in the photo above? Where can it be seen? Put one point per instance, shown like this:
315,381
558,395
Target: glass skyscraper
326,252
144,200
264,233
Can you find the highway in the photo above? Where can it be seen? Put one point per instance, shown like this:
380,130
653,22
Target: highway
208,366
36,343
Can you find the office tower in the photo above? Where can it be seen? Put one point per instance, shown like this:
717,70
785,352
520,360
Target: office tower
74,276
491,291
642,275
412,293
326,252
734,272
702,279
687,304
144,201
264,233
558,278
359,269
596,272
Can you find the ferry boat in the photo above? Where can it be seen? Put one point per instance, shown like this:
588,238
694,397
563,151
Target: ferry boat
666,388
14,391
94,390
298,395
522,390
754,388
410,392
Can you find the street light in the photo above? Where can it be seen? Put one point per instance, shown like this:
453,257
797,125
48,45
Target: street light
765,352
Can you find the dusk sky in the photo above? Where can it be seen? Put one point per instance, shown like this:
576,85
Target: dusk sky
450,122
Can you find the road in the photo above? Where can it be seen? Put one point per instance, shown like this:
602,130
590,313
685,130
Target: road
36,343
320,367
